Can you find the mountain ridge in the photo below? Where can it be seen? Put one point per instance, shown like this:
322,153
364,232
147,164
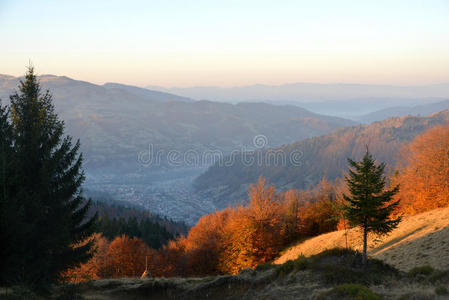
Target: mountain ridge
399,111
310,91
321,156
97,112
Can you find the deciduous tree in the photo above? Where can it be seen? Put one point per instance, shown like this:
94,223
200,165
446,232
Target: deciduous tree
424,171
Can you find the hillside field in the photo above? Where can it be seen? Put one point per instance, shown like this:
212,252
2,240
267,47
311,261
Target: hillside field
422,239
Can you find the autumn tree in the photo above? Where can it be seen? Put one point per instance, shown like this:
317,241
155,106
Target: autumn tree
424,171
253,234
291,203
44,192
238,251
204,243
369,204
318,214
93,268
126,258
171,259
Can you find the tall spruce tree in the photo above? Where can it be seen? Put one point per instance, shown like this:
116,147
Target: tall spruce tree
369,204
47,192
10,226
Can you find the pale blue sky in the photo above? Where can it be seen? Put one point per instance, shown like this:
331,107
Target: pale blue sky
225,43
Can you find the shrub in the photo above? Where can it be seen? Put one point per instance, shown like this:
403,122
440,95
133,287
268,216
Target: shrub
264,267
423,270
337,274
374,273
441,290
350,291
334,252
439,276
341,265
301,263
285,268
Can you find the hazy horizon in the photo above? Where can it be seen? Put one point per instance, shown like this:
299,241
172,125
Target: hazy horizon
210,43
171,87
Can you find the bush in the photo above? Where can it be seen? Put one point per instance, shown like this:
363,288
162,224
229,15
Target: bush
341,265
439,276
431,274
335,252
423,270
336,274
441,290
301,263
285,268
265,266
350,291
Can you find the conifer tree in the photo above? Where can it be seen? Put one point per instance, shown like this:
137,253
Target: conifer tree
10,227
369,204
48,170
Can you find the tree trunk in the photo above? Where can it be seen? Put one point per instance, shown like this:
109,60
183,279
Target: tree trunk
365,235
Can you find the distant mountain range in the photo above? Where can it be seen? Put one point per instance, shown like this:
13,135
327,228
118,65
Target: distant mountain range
310,92
344,100
116,122
419,110
314,158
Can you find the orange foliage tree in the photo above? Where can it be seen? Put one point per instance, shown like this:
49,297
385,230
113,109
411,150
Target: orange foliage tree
171,259
126,257
246,236
226,241
123,257
90,270
424,172
318,212
205,243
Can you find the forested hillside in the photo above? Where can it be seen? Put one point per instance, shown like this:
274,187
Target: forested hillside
318,157
120,210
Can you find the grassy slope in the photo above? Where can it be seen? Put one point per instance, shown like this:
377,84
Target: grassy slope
419,240
334,274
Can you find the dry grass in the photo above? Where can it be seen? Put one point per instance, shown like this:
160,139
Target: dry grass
419,240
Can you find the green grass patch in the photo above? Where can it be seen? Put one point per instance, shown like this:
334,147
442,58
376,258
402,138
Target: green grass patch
334,252
337,266
340,266
423,270
350,292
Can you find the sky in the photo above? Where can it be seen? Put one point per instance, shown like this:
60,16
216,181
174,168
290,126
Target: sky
228,43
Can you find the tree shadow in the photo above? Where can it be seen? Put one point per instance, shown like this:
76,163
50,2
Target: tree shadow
394,241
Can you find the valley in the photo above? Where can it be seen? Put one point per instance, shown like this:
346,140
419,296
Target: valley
167,193
231,150
164,152
147,147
